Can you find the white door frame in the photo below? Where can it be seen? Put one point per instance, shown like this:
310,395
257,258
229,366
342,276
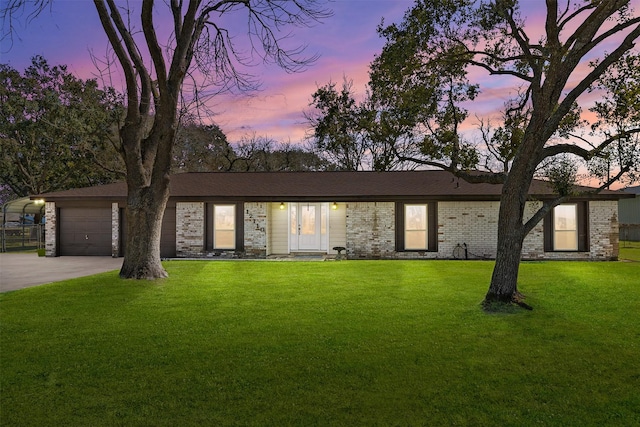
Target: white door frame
316,238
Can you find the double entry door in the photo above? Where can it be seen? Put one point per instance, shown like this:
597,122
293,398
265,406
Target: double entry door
308,226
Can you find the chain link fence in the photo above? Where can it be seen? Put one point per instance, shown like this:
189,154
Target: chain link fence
630,232
20,237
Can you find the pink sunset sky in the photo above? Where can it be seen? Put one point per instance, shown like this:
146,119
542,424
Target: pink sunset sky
347,42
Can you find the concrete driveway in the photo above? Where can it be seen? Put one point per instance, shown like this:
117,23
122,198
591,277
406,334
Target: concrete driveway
19,271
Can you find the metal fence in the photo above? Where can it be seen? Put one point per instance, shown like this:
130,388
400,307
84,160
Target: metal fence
630,232
21,237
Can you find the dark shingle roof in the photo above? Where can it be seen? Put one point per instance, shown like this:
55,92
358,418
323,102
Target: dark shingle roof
329,186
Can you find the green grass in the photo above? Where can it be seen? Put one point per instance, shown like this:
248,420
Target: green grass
629,251
351,343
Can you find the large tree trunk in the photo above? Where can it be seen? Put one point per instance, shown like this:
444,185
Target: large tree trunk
511,230
504,281
148,161
147,196
145,209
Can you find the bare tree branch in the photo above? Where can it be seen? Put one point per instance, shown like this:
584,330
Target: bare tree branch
586,154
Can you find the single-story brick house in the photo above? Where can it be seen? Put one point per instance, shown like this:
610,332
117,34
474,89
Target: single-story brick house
395,215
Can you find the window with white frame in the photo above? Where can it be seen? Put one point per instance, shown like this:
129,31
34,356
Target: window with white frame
415,227
565,227
224,226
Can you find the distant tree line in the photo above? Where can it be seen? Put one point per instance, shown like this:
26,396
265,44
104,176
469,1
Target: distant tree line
205,148
59,132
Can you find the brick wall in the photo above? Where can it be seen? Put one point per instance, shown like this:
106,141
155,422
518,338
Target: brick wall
50,227
115,230
370,230
603,230
473,223
603,236
255,229
533,246
190,225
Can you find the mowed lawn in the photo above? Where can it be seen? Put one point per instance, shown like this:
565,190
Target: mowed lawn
629,251
350,343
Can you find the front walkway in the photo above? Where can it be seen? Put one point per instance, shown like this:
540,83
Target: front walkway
300,257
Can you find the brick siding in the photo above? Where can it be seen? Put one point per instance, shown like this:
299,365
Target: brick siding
115,230
190,225
371,230
255,229
50,227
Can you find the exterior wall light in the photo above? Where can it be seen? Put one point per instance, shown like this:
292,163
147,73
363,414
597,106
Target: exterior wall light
334,206
281,206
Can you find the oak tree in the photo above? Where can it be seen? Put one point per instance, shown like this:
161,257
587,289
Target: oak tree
205,44
357,135
56,130
426,76
201,148
337,131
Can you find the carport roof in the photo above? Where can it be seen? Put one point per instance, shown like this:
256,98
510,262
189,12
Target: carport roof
330,186
22,206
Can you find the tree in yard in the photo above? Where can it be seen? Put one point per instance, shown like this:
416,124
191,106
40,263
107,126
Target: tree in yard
355,135
290,157
55,130
261,154
338,132
423,76
618,120
201,148
202,41
6,194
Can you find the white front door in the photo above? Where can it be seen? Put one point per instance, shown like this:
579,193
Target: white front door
309,226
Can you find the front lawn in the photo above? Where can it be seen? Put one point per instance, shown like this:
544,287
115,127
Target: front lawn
629,251
350,343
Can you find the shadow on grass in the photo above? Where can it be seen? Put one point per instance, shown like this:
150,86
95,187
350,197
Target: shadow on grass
495,307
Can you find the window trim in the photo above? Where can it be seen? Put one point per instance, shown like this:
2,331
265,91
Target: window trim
216,231
432,226
582,209
422,239
210,226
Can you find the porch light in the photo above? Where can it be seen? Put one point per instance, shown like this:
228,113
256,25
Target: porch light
281,206
39,201
334,206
